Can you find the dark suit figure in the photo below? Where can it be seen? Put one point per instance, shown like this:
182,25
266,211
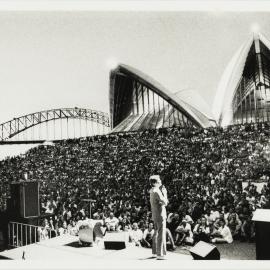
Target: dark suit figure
158,201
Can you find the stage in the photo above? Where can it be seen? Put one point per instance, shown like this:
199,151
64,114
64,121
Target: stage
66,247
63,252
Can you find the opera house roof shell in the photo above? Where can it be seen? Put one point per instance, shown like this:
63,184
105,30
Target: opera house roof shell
243,93
138,102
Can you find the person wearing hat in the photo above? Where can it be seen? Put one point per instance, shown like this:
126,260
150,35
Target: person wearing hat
158,201
184,233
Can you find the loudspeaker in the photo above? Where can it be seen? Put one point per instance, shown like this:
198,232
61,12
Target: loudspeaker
262,227
262,244
205,251
24,201
115,240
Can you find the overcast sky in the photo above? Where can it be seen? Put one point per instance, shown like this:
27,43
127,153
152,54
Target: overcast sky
60,59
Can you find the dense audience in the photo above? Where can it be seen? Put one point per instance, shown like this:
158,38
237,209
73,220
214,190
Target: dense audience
204,171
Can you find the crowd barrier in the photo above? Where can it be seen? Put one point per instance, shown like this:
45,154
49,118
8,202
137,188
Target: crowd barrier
20,234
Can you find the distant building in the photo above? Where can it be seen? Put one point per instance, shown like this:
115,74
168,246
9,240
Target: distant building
243,94
138,102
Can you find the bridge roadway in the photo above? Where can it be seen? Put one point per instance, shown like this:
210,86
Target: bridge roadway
30,142
22,142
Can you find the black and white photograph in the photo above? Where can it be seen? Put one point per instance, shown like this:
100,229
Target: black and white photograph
135,135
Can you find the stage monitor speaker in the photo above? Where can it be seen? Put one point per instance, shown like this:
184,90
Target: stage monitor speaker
116,240
261,217
24,201
205,251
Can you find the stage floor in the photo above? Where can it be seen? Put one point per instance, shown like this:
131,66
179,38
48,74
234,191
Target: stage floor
64,253
66,247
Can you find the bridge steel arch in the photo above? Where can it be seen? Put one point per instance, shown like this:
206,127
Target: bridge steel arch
17,125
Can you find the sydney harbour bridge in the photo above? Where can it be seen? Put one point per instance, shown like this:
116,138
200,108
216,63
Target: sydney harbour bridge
54,124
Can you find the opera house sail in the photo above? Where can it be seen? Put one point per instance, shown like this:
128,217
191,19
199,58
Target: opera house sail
244,94
137,102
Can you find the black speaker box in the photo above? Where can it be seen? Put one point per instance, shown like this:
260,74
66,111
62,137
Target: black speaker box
24,200
114,245
115,240
262,245
204,251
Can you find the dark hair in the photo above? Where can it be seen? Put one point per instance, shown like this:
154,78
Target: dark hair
153,181
223,220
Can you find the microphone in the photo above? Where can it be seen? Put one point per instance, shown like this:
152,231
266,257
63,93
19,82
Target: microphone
162,188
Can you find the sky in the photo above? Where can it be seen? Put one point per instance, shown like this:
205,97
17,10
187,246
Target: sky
63,59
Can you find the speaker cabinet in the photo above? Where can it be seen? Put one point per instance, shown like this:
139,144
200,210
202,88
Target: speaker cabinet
116,240
24,201
261,218
205,251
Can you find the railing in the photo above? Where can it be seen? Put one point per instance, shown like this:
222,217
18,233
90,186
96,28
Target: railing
20,234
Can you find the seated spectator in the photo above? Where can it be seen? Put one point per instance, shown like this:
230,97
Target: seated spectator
215,213
49,209
124,222
170,215
234,225
212,230
188,218
223,234
72,228
148,236
111,222
201,231
169,240
175,220
232,212
127,228
209,217
247,230
99,227
217,223
43,232
136,235
184,233
62,228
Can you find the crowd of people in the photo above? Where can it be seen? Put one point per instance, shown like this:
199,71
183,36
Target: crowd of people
215,178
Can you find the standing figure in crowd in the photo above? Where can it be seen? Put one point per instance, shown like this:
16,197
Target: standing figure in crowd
158,201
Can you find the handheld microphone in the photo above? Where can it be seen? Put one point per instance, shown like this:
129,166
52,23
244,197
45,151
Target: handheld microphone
162,188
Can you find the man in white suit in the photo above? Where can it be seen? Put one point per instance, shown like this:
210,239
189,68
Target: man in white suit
158,201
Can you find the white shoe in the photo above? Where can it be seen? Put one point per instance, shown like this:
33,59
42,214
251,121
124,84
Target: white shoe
161,258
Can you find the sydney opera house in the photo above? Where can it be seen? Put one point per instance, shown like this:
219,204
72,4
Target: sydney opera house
138,102
243,95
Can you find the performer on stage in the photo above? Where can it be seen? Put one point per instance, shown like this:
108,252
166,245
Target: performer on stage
158,201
